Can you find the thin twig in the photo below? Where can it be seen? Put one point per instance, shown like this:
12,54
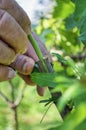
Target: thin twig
15,110
78,57
14,103
12,91
45,113
14,107
3,96
20,96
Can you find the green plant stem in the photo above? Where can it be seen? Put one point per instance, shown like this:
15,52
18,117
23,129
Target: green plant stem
45,66
36,47
37,50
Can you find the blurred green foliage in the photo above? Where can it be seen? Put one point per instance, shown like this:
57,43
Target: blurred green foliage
64,34
30,111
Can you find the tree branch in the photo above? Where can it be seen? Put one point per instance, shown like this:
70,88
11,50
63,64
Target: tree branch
16,102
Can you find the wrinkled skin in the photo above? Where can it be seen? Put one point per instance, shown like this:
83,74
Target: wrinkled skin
16,51
26,59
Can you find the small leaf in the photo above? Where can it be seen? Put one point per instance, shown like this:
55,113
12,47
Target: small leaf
49,79
60,58
44,79
44,101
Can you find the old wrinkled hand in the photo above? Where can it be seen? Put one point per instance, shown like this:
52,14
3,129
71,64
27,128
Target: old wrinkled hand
14,27
16,51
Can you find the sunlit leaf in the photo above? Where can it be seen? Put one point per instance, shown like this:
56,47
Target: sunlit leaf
81,126
62,5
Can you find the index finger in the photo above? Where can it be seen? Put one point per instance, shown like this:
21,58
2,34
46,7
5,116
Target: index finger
12,33
18,13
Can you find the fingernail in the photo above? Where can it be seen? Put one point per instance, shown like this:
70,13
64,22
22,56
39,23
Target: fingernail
28,67
11,73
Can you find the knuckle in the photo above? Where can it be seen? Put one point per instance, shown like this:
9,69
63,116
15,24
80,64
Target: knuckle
2,12
7,55
7,59
22,46
3,73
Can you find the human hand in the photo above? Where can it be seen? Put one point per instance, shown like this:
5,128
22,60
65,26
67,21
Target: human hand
14,27
24,64
22,27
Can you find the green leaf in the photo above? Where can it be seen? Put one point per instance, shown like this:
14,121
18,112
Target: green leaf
70,23
60,58
74,119
68,62
82,36
82,126
80,10
49,79
63,8
80,18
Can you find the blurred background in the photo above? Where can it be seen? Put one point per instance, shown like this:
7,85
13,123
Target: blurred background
29,111
35,8
50,21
